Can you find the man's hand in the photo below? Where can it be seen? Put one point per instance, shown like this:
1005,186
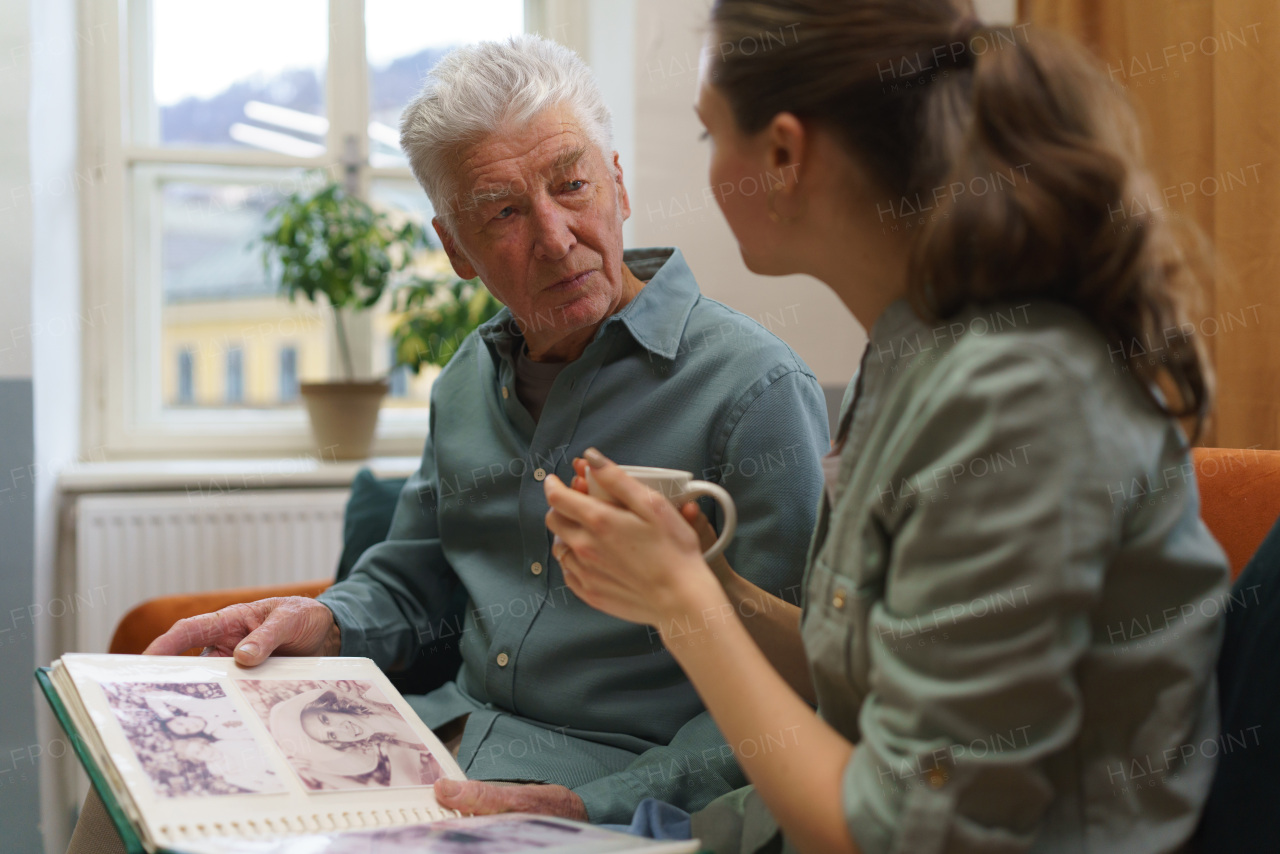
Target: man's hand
472,797
287,625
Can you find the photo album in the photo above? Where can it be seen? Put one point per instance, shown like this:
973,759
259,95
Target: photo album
316,755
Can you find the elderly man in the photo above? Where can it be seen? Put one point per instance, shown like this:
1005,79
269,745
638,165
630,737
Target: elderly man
512,143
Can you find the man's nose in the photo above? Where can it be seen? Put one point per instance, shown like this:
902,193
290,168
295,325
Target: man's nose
553,237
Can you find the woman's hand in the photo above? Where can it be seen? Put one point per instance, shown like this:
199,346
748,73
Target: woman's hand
693,515
641,561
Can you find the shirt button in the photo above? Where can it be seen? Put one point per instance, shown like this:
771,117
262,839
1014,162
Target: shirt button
839,599
502,659
536,568
539,474
505,393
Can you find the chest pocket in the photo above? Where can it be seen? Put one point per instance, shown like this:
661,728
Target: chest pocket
846,580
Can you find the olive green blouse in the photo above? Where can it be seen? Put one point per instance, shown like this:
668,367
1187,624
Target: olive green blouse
1012,607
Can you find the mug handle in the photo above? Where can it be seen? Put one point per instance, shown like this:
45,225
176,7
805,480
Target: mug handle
696,488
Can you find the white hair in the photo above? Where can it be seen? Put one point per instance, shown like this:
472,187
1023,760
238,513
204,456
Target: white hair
481,88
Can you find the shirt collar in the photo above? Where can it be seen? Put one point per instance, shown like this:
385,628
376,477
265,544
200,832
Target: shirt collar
655,317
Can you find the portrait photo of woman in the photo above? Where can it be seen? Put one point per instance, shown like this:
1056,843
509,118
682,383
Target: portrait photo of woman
192,739
342,734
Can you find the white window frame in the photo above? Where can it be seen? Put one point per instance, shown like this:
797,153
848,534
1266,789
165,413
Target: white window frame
122,416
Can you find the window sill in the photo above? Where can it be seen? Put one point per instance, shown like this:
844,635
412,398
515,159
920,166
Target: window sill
222,476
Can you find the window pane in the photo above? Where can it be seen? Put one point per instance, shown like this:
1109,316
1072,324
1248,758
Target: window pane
404,200
186,377
405,39
224,328
235,375
239,73
288,374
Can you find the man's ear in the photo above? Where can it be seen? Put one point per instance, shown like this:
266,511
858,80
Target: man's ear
624,201
461,265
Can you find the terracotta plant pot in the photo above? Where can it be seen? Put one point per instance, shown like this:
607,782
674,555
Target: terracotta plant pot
344,416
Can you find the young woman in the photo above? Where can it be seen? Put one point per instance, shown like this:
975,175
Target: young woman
1003,626
341,742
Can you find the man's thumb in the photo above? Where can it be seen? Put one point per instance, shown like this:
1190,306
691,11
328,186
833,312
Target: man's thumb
254,649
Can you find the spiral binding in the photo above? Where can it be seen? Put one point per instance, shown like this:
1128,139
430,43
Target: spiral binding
368,819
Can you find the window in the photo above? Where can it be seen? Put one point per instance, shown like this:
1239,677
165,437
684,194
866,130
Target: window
196,128
288,374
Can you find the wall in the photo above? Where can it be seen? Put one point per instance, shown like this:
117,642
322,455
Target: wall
57,323
19,784
39,377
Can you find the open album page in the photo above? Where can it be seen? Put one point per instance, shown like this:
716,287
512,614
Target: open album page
512,833
199,747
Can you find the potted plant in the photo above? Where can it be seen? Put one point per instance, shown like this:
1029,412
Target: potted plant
332,247
437,315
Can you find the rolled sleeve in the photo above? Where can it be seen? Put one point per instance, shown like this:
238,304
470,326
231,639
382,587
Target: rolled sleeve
997,541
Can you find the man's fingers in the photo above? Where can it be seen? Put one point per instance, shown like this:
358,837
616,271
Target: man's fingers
262,641
472,797
476,798
203,630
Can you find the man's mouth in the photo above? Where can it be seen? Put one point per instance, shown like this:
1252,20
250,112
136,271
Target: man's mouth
573,282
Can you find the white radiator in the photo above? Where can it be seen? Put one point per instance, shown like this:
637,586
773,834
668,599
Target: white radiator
133,547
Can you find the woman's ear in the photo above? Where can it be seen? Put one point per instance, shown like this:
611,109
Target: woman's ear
788,141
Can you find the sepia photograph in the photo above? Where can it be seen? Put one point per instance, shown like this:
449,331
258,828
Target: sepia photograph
341,734
191,739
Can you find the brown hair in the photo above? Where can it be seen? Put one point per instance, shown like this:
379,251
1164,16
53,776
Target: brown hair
931,102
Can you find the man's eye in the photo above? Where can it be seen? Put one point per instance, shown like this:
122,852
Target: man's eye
574,186
505,213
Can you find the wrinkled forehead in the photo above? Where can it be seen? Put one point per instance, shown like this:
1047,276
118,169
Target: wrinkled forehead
512,159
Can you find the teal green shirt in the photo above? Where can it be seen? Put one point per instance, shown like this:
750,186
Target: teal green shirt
557,691
1012,607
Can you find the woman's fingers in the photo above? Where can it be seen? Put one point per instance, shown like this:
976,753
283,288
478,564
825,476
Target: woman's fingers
624,489
574,506
579,475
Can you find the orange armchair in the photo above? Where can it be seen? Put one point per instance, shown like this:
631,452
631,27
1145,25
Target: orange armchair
1239,501
1239,498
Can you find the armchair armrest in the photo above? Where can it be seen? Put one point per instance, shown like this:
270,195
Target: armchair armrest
146,622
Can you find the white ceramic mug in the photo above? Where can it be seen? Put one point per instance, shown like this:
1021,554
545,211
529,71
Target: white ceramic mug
680,488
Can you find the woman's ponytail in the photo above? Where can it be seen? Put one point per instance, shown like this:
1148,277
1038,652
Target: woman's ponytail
1006,149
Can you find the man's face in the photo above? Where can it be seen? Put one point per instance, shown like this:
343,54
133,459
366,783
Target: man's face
539,220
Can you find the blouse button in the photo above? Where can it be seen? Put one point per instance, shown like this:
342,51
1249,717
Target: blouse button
505,393
539,475
839,599
536,568
502,659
